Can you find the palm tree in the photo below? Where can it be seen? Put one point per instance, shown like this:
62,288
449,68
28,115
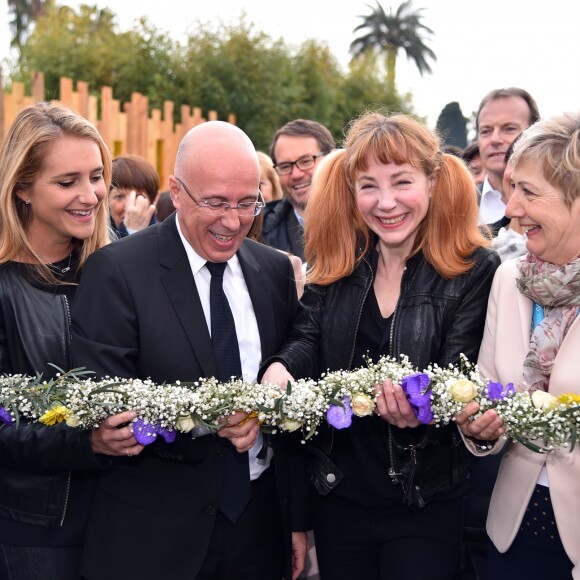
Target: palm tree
24,13
389,32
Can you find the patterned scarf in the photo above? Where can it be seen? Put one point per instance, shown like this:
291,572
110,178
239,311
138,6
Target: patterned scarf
557,289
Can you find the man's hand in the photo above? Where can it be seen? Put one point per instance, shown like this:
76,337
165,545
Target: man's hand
109,438
240,430
138,212
299,549
277,374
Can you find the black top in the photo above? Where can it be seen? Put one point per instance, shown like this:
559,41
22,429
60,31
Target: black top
361,451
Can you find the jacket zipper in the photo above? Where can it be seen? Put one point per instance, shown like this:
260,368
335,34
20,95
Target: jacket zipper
366,293
392,471
65,499
68,478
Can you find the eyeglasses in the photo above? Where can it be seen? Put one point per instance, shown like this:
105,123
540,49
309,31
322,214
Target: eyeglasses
216,207
303,163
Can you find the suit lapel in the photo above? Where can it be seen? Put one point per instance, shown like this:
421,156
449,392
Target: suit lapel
259,290
177,278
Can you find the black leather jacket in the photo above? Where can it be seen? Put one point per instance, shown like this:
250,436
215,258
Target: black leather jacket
36,460
435,320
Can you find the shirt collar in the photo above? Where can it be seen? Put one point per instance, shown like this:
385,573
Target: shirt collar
196,262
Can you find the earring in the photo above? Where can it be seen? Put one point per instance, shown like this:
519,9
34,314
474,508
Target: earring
27,202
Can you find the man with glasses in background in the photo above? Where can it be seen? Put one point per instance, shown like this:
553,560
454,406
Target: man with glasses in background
192,297
296,149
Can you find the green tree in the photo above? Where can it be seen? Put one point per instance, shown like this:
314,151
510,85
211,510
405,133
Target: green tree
87,45
23,13
387,33
364,88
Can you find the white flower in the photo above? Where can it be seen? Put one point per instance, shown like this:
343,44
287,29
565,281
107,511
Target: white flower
544,401
463,390
290,425
362,405
72,420
185,424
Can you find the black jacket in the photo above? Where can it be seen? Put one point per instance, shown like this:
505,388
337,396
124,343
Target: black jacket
281,229
435,320
36,460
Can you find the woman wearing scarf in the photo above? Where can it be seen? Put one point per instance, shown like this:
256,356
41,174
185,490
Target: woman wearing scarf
532,338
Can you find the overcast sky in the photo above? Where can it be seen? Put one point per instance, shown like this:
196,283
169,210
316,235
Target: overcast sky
480,46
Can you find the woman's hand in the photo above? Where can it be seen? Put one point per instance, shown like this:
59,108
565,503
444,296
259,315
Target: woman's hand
393,405
277,374
488,427
138,212
110,438
240,430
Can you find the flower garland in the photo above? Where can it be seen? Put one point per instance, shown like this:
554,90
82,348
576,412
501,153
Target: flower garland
538,420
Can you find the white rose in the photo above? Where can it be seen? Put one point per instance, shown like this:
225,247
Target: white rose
544,401
185,424
362,405
72,420
290,425
463,391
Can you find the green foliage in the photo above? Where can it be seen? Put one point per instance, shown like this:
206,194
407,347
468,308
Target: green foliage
226,68
387,33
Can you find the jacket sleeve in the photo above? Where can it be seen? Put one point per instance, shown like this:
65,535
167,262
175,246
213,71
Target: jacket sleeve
104,324
466,330
39,448
299,354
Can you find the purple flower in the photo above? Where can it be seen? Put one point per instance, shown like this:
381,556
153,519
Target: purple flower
5,416
340,417
168,435
496,391
146,433
415,387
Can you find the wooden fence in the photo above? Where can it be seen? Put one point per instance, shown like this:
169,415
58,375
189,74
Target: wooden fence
127,128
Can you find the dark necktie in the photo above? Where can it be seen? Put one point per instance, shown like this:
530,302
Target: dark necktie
235,493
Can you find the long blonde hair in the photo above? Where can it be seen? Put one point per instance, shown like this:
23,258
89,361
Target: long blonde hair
337,237
32,133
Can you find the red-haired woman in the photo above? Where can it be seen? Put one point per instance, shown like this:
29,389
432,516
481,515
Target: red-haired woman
397,266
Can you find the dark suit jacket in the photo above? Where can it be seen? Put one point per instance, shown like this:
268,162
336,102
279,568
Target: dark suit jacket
137,314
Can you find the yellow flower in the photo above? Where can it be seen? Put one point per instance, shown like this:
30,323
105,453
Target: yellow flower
362,405
290,425
569,398
55,415
463,390
543,400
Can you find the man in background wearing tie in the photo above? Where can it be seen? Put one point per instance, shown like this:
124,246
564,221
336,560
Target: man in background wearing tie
188,298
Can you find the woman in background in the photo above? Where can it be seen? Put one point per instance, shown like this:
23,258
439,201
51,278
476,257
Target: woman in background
133,194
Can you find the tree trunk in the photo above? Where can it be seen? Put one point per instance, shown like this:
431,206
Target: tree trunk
391,62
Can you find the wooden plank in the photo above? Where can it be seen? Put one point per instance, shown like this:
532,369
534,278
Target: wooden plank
38,86
66,91
83,98
105,124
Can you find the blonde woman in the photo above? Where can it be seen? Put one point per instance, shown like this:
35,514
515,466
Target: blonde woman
54,175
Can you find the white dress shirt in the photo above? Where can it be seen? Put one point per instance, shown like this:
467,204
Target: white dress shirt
247,331
491,206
